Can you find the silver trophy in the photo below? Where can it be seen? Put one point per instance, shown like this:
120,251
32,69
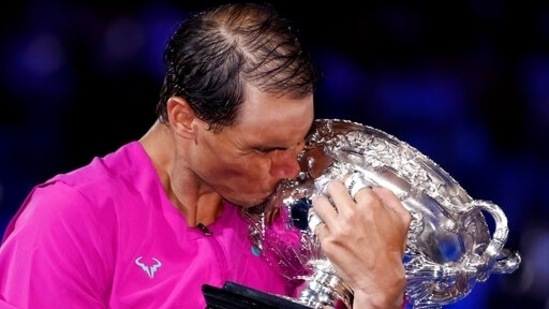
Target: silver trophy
449,246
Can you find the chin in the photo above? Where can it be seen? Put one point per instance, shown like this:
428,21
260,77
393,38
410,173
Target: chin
250,202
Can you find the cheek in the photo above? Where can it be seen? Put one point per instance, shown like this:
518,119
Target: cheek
253,166
249,171
243,167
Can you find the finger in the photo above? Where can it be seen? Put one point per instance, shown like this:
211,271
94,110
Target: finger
324,209
313,220
316,225
356,182
340,196
364,194
391,201
394,205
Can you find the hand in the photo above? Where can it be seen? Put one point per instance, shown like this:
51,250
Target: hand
364,237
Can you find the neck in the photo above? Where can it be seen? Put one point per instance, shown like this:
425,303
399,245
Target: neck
195,200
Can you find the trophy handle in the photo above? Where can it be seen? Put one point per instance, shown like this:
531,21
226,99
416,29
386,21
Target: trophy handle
496,258
433,284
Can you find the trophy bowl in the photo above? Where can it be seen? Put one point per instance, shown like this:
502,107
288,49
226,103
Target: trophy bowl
450,244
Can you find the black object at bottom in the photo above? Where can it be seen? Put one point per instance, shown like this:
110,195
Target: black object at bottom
236,296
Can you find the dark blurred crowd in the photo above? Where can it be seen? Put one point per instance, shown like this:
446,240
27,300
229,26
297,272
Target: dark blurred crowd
465,82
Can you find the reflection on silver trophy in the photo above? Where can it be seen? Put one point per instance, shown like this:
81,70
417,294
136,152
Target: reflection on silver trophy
450,246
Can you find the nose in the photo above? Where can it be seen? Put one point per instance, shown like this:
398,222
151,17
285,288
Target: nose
284,164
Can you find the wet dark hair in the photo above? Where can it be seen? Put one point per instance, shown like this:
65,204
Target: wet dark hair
214,55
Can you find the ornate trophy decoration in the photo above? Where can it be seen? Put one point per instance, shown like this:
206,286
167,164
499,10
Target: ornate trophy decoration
449,246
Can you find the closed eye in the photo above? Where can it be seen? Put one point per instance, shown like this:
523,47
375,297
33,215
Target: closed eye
270,149
279,148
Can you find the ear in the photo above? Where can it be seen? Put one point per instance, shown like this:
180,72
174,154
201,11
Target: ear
181,117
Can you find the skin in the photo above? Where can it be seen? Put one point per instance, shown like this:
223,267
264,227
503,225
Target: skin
243,163
364,238
365,235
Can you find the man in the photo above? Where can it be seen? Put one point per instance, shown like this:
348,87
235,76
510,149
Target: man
147,225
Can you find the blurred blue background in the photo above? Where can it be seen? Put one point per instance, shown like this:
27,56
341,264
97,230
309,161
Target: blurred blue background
465,82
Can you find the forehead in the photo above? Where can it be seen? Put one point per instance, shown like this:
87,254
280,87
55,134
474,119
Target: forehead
283,119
